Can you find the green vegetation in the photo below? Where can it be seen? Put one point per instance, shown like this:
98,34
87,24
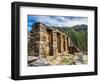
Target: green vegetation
68,59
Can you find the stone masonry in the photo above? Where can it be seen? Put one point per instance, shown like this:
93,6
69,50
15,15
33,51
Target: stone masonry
44,41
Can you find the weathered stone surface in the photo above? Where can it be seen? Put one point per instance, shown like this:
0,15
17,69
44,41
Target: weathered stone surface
40,62
45,41
78,58
32,58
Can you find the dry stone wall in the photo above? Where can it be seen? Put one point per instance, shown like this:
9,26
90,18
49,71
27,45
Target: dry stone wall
42,42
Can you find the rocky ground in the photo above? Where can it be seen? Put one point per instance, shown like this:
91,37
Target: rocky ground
69,59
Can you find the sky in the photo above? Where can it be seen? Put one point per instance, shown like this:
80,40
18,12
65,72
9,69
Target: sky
61,21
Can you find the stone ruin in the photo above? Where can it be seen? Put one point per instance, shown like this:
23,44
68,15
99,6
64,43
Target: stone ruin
44,41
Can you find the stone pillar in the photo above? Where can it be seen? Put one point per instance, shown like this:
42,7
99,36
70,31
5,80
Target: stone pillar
54,43
66,44
69,42
62,50
43,42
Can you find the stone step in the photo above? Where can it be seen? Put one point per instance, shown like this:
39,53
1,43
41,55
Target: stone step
32,59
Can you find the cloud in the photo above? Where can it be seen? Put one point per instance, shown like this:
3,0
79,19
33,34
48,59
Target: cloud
77,20
57,20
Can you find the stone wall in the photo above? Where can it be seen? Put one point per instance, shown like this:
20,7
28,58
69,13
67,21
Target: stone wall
44,41
33,44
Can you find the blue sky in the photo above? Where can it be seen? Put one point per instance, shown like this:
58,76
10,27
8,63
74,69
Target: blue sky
56,20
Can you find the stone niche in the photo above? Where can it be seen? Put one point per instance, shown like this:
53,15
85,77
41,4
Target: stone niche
44,41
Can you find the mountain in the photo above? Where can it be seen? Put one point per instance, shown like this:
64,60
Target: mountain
82,28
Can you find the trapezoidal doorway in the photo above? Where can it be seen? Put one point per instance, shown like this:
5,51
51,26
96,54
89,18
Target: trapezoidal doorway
50,41
58,42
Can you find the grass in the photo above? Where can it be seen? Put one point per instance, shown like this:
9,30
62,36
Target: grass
68,59
61,60
65,59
